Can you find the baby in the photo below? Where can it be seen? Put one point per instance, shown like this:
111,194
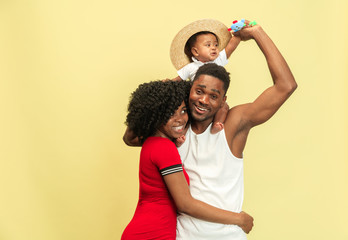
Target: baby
211,42
203,47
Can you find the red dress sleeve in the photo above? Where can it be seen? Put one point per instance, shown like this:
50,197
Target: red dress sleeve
166,157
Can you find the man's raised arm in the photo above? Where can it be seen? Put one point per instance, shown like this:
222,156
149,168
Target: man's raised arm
242,118
284,84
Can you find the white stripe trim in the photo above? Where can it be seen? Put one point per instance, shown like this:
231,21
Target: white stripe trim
172,170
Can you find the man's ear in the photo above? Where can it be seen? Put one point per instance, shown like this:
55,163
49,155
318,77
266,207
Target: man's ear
194,51
223,101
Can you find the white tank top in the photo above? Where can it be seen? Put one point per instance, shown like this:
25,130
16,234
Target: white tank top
216,177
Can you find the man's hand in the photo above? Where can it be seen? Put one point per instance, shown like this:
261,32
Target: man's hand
247,222
247,32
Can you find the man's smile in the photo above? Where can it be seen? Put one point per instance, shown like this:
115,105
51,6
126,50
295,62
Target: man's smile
200,109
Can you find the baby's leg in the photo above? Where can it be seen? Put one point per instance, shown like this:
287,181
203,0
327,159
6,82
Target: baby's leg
219,119
180,140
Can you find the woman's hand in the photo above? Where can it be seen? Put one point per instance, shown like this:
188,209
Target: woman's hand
247,222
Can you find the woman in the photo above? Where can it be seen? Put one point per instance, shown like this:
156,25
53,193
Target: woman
157,115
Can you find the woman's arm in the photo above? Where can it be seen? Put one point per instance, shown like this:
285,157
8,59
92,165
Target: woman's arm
130,139
185,203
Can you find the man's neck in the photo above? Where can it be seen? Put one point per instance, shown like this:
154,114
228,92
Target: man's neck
199,127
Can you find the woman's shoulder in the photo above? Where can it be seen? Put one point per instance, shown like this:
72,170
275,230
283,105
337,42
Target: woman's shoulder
159,141
161,148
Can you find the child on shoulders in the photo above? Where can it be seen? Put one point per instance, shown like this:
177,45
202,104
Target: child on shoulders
203,41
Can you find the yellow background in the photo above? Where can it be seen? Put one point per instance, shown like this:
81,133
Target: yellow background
67,69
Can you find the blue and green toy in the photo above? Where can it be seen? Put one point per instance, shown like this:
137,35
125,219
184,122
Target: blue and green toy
238,25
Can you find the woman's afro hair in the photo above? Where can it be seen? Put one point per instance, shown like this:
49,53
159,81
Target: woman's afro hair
152,104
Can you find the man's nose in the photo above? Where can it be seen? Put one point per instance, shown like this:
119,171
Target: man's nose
204,99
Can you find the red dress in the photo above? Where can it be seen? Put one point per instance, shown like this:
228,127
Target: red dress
155,215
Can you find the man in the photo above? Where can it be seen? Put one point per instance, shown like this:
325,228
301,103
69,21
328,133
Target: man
214,162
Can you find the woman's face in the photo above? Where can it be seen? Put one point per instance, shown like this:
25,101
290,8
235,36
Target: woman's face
175,126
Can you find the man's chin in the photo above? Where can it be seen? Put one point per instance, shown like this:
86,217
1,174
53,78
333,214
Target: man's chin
199,117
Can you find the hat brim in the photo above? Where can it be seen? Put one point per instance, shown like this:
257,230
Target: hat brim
177,48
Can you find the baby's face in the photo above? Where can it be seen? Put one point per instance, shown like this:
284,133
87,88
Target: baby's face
206,48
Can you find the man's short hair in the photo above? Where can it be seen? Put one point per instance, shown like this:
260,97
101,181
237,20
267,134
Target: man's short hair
216,71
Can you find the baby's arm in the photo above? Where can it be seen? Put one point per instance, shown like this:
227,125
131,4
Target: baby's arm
232,45
219,119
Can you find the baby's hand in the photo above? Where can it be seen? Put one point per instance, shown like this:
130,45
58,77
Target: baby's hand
180,140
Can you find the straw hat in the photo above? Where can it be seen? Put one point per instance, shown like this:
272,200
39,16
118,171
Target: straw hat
177,48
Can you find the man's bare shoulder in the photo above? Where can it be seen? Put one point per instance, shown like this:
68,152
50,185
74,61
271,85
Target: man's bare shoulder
237,128
236,115
236,120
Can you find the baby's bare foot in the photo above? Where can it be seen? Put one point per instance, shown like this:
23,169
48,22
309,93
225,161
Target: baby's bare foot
217,127
180,140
